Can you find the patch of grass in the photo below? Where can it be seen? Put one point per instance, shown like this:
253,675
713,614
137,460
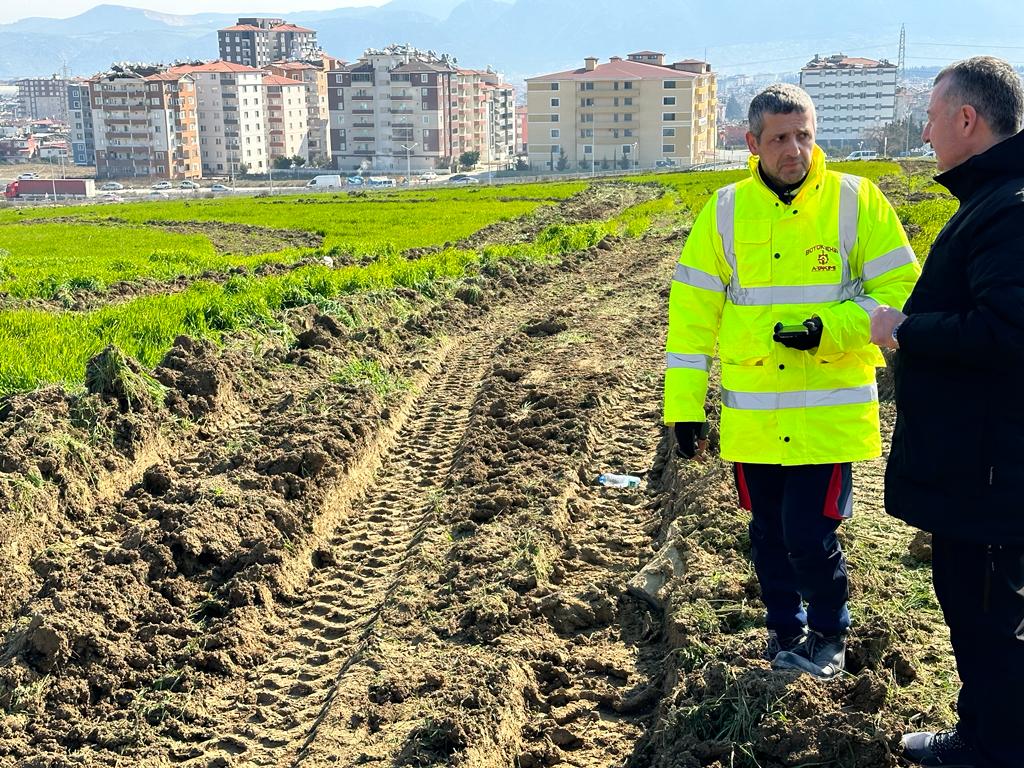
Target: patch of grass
370,374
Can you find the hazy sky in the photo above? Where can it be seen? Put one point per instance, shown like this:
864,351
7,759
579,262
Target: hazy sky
62,9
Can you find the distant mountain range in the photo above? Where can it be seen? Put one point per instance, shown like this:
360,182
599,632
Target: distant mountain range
527,37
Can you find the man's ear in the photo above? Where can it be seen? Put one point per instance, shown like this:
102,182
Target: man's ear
968,119
751,143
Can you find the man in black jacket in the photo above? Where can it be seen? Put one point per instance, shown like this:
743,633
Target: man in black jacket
956,467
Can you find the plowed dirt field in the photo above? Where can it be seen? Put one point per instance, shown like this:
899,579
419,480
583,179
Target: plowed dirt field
288,563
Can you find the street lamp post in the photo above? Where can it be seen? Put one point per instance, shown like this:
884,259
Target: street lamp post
408,161
636,154
270,173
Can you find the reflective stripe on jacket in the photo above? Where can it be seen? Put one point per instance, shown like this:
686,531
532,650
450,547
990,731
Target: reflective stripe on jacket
751,261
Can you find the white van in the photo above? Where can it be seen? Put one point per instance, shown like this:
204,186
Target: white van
325,181
862,154
381,181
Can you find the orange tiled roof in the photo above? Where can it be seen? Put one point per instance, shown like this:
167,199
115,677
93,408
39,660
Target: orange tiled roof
289,28
276,80
241,28
212,66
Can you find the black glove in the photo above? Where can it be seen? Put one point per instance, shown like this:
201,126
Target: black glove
803,342
688,433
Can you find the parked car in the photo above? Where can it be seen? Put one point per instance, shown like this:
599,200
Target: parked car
29,175
156,194
428,176
381,181
668,162
461,178
354,181
162,185
187,184
220,188
111,186
111,197
862,154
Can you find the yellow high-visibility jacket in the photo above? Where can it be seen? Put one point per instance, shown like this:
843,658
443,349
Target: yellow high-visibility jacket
751,261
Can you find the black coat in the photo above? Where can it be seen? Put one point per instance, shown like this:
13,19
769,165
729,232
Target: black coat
957,461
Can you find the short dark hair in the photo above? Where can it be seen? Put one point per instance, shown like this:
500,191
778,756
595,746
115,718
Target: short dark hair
992,87
778,99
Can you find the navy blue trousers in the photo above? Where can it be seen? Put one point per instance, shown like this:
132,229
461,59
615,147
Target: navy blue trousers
795,512
981,591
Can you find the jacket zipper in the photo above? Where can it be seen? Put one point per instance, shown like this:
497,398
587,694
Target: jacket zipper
988,577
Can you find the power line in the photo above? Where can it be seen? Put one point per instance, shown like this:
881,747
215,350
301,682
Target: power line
972,45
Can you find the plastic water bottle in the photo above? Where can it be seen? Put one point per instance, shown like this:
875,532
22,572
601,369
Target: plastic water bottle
618,481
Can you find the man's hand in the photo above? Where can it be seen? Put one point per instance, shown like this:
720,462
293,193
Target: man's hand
883,320
805,342
691,438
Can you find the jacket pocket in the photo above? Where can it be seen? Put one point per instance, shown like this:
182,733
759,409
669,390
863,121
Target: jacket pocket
754,252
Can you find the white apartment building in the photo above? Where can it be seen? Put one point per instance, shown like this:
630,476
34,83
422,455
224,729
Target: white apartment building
232,117
484,116
625,113
286,110
851,96
43,97
317,146
257,41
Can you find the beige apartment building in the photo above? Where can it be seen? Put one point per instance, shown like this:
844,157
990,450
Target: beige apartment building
633,112
484,118
145,125
316,148
286,110
232,117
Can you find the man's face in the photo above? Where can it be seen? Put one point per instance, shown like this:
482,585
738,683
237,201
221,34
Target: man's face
942,130
785,146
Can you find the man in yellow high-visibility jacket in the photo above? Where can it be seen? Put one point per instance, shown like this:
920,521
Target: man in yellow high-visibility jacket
783,270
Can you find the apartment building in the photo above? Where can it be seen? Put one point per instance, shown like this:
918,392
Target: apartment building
392,110
484,118
401,107
40,97
316,148
145,125
522,129
851,96
286,110
83,144
231,116
628,112
257,41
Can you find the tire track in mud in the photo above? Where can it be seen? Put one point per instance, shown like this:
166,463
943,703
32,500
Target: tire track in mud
303,708
336,618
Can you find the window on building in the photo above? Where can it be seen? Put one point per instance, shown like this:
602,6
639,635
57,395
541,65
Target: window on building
668,117
554,118
588,86
627,117
555,102
554,86
670,83
668,131
424,78
668,101
588,149
556,133
627,132
628,101
627,86
668,148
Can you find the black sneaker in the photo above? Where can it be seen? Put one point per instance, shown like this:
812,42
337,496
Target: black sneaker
777,644
821,655
945,748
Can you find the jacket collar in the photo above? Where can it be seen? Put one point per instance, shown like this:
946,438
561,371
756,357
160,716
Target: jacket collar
1003,160
812,182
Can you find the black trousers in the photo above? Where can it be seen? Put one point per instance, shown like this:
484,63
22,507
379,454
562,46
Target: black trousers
981,590
794,514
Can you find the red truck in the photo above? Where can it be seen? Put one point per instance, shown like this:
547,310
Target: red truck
41,188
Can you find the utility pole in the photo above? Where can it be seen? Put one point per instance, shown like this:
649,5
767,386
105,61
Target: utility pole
901,80
408,161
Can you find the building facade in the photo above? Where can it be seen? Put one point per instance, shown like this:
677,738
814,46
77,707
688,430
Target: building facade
145,125
286,110
257,41
231,116
43,97
626,113
851,97
317,148
392,110
83,144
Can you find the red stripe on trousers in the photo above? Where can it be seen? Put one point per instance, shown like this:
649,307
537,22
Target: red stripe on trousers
741,487
835,487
